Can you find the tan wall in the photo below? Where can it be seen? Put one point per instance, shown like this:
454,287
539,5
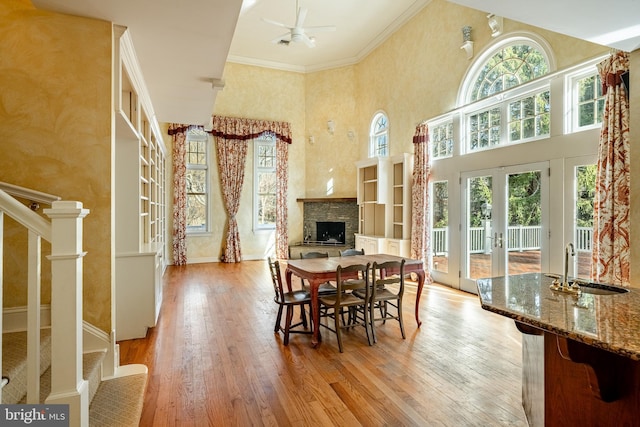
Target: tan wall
55,135
265,94
413,76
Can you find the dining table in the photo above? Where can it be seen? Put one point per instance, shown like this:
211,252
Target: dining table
321,270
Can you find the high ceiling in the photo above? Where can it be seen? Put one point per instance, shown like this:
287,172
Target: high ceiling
182,45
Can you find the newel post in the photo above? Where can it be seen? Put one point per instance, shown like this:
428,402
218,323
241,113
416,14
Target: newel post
67,384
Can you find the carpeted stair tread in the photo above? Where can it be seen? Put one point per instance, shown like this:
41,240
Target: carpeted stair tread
118,402
91,363
14,362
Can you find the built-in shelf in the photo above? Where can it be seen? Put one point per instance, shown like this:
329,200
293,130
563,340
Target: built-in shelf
384,200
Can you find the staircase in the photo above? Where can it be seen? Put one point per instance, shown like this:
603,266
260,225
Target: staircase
113,402
49,355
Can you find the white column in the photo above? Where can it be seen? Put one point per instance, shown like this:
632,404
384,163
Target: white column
67,384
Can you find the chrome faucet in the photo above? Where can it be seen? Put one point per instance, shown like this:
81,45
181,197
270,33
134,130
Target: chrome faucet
566,262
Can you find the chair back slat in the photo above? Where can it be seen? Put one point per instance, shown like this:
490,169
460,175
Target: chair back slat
276,278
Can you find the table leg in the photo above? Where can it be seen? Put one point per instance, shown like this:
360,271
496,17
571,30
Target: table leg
315,307
421,278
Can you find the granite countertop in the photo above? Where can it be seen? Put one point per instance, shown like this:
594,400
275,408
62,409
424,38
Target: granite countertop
609,322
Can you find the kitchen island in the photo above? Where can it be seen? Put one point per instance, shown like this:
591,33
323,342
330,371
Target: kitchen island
581,352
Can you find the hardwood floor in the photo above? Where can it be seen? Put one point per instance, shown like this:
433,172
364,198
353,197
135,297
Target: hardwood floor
214,360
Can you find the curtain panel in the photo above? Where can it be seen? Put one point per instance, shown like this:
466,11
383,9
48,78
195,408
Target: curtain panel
420,218
178,134
238,131
611,251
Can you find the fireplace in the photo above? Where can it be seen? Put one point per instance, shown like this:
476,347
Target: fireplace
330,232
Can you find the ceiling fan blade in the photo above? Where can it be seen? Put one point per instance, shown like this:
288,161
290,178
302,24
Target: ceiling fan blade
322,28
302,15
280,38
279,24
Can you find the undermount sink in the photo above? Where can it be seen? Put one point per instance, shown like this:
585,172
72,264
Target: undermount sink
599,288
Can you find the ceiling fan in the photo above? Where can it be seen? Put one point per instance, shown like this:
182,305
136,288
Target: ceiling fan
298,33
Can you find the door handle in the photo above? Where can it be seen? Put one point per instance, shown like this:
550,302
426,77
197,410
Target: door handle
497,241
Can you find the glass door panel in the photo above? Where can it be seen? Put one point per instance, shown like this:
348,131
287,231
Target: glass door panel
524,231
503,227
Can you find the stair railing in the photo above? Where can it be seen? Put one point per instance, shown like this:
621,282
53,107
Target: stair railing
64,232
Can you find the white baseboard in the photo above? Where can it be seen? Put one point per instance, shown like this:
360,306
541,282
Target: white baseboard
14,319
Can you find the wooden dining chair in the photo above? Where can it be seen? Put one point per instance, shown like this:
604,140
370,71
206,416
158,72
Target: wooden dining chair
387,291
352,252
289,300
324,288
344,300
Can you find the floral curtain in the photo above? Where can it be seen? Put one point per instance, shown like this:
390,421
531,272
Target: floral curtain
231,160
229,131
282,183
179,150
420,227
611,252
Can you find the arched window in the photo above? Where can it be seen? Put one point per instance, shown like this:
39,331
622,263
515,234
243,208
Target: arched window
509,63
379,136
499,112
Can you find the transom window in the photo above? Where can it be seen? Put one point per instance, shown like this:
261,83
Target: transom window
509,67
379,138
197,181
441,137
590,101
265,182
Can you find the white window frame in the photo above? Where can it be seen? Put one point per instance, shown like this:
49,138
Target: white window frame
374,135
198,135
571,96
263,140
432,125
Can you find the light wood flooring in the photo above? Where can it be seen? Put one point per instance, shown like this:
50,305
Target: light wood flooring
214,360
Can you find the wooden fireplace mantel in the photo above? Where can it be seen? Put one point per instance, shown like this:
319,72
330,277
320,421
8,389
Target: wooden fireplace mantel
327,200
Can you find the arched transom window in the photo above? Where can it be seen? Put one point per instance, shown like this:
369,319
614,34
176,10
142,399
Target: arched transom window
506,100
508,67
379,137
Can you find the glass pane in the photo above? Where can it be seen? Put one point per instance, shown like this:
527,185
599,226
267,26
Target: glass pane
267,209
196,211
267,182
586,114
585,177
440,230
586,88
529,128
524,231
479,199
196,181
514,131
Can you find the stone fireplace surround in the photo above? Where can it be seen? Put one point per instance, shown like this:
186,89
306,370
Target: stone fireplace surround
326,210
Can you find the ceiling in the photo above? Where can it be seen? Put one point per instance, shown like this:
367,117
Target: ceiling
182,45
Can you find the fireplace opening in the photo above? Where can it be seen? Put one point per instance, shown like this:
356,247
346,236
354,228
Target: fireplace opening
330,232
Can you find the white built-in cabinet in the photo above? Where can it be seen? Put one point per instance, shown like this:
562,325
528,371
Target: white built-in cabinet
139,197
384,202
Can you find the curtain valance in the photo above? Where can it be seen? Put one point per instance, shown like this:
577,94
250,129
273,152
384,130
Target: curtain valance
246,129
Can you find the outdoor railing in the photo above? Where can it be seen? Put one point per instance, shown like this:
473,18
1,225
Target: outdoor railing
520,238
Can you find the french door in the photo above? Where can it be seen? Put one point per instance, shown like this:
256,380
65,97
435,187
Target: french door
504,222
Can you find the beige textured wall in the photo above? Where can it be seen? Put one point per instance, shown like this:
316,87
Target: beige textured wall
413,76
265,94
55,135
